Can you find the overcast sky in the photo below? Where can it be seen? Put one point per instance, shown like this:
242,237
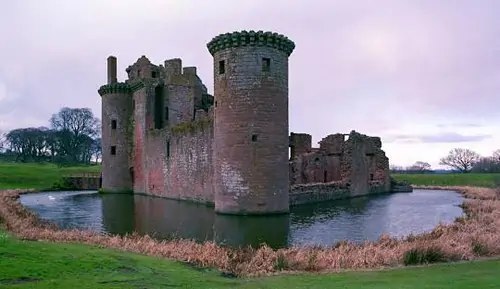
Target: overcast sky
422,74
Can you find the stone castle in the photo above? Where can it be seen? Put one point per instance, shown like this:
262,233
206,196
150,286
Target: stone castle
163,134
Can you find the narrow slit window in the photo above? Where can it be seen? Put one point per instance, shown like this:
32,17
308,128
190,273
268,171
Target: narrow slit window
371,177
138,73
113,150
222,67
153,74
216,104
168,149
266,64
133,104
325,177
166,113
113,124
254,137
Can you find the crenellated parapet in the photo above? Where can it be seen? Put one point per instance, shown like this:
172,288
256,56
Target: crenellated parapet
251,38
119,87
136,86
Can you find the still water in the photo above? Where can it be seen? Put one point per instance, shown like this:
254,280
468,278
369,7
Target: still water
356,219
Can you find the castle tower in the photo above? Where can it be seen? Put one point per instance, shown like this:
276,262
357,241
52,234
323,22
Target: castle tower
251,122
116,132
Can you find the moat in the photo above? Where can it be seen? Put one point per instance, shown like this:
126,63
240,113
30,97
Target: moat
356,219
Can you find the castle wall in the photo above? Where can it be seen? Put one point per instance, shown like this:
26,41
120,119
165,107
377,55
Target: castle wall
116,137
188,171
359,163
251,128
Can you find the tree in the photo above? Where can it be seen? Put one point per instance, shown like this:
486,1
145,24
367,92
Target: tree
420,167
486,165
460,159
75,127
496,155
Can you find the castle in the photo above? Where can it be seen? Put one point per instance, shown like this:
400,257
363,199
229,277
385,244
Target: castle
163,134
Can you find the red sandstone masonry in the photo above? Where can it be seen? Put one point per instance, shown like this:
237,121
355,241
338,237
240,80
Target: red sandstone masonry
171,143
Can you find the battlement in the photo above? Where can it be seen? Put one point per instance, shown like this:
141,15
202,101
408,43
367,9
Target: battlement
251,38
118,87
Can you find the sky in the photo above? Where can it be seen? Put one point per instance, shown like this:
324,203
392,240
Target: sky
424,75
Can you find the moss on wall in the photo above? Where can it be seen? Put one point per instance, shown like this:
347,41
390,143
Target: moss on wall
191,126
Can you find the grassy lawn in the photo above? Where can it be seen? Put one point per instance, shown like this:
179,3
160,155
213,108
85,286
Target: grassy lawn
36,176
26,264
476,180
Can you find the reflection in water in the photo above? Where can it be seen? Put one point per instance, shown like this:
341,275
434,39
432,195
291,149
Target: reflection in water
117,214
252,230
324,223
165,219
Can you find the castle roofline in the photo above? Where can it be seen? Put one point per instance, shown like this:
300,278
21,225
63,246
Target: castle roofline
119,87
251,38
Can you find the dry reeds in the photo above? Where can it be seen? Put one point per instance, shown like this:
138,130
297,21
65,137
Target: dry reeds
473,236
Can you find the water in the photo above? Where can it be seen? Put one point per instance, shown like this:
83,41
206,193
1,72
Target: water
355,220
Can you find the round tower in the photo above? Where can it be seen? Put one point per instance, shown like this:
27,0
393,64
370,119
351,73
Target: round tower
251,122
116,132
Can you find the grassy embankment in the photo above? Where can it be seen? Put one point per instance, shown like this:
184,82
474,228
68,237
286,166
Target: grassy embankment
473,180
40,264
25,264
37,176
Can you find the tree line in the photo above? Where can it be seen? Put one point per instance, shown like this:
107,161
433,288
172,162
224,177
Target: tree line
459,160
72,137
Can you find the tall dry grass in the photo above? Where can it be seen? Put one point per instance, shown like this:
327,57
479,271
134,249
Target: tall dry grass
473,236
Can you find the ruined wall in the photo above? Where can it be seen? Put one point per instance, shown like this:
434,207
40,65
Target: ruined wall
172,151
358,162
315,193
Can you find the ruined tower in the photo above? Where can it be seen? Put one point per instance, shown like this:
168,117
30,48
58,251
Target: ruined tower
251,122
116,134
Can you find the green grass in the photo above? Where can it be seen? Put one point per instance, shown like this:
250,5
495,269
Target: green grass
36,176
26,264
469,179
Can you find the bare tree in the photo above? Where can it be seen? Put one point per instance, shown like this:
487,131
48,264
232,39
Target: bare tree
420,166
75,127
460,159
496,155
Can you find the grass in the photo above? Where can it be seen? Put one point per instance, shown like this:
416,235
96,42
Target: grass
36,176
38,255
469,179
28,264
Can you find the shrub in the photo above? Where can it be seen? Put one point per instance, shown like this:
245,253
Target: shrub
418,256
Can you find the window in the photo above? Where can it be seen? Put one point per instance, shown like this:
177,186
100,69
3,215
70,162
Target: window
166,113
113,124
168,149
113,150
254,137
222,67
133,104
158,107
138,73
371,177
266,64
215,103
325,177
153,74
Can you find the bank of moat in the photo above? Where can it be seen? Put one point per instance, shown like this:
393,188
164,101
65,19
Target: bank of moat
163,134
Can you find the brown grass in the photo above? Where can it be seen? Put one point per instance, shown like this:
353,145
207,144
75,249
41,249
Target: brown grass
475,236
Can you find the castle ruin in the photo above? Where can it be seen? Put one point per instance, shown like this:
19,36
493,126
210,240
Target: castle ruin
163,134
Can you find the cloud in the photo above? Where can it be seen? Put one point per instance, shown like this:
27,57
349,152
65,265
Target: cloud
445,137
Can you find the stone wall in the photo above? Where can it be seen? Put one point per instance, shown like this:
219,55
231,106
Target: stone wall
314,193
251,126
358,162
